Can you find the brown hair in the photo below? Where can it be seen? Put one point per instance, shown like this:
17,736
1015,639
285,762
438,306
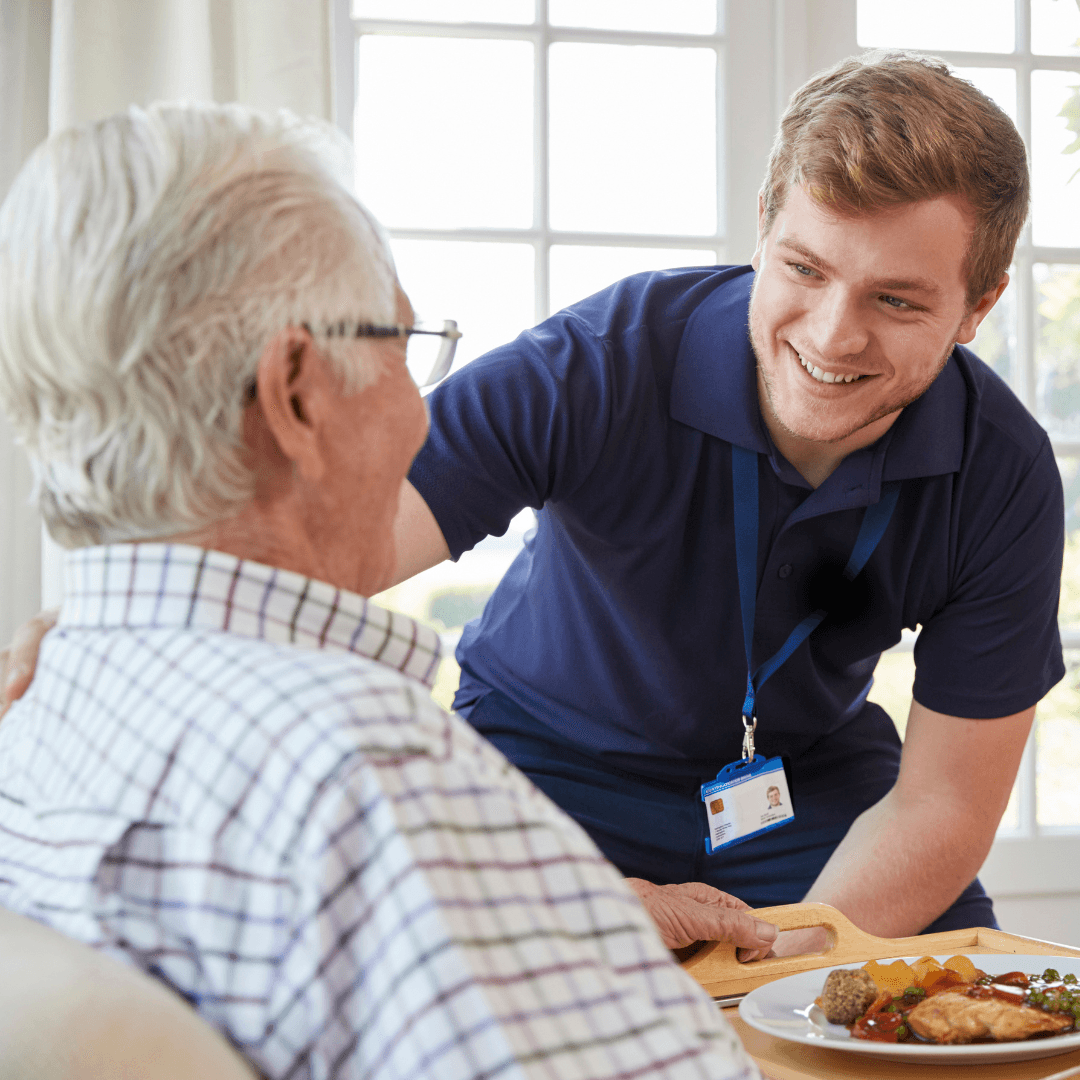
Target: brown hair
888,128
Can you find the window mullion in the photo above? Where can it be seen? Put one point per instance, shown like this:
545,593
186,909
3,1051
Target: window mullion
720,241
1026,379
1022,14
1026,789
542,173
343,53
1025,383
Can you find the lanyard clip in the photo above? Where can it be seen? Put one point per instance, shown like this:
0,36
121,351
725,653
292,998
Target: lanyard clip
749,727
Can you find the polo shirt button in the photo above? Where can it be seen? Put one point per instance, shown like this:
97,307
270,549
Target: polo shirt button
784,571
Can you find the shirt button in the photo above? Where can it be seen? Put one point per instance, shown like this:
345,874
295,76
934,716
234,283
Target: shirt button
784,571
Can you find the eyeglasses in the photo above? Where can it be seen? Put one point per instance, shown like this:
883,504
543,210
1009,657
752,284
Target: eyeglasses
429,353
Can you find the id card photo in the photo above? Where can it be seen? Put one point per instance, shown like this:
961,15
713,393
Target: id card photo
747,805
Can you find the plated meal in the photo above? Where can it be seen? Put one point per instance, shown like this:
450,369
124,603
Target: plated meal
949,1003
945,1009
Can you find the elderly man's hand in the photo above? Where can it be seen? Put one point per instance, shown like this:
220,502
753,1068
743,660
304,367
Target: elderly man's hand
19,659
697,912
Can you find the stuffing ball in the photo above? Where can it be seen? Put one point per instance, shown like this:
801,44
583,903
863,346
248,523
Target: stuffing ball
847,995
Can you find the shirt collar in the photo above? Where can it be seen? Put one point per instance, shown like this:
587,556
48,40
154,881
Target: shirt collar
714,389
177,586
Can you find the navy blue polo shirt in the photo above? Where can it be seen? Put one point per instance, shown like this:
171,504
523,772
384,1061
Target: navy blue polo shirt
618,626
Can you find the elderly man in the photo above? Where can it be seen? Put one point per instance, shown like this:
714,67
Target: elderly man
228,769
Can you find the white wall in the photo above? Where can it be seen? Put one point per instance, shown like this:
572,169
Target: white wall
1051,918
1035,883
24,122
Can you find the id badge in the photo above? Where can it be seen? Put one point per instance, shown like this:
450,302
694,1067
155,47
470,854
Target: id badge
746,799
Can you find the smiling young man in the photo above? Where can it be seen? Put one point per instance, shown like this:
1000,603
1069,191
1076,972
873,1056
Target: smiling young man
736,454
610,664
852,319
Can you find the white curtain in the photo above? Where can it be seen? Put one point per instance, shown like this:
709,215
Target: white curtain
66,62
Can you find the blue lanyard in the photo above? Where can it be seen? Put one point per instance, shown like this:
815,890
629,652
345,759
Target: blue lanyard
744,475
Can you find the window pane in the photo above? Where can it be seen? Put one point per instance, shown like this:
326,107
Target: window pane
961,25
436,147
1069,605
505,11
487,288
1010,820
1057,749
577,272
633,139
996,340
1057,346
1055,27
998,84
893,679
451,594
672,16
1055,186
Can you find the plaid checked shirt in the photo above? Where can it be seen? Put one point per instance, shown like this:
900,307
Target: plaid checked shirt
234,777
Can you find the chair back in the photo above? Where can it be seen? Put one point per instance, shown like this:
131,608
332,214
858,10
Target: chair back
68,1012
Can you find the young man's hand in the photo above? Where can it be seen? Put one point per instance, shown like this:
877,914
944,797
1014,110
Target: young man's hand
19,659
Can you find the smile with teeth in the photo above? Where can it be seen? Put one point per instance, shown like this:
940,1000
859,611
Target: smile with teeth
827,376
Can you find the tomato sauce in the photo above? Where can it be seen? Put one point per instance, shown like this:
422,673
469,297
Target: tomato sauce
884,1020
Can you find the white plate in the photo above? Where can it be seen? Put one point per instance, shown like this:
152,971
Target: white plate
786,1009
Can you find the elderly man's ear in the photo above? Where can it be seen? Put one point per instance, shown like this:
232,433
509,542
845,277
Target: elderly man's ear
296,390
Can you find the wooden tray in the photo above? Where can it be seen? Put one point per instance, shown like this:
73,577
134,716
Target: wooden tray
716,969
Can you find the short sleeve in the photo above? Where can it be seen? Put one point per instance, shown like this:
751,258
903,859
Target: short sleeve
994,648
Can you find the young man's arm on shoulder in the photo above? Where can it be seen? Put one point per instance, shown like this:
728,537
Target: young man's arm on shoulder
418,540
907,858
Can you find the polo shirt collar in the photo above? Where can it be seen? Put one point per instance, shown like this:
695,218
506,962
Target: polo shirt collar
714,389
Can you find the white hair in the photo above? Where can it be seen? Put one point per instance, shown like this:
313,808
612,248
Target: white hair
145,262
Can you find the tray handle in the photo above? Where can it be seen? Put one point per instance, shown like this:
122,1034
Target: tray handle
715,966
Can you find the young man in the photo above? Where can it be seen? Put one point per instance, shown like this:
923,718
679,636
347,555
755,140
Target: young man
611,662
229,770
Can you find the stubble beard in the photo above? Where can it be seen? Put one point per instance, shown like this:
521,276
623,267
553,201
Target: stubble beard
822,408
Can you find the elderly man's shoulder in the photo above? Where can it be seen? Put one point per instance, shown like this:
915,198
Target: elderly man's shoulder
231,684
206,718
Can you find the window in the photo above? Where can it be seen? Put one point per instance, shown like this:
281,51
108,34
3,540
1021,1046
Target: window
523,156
491,160
1025,54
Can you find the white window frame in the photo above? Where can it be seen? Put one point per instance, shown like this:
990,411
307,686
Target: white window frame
1032,859
780,44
